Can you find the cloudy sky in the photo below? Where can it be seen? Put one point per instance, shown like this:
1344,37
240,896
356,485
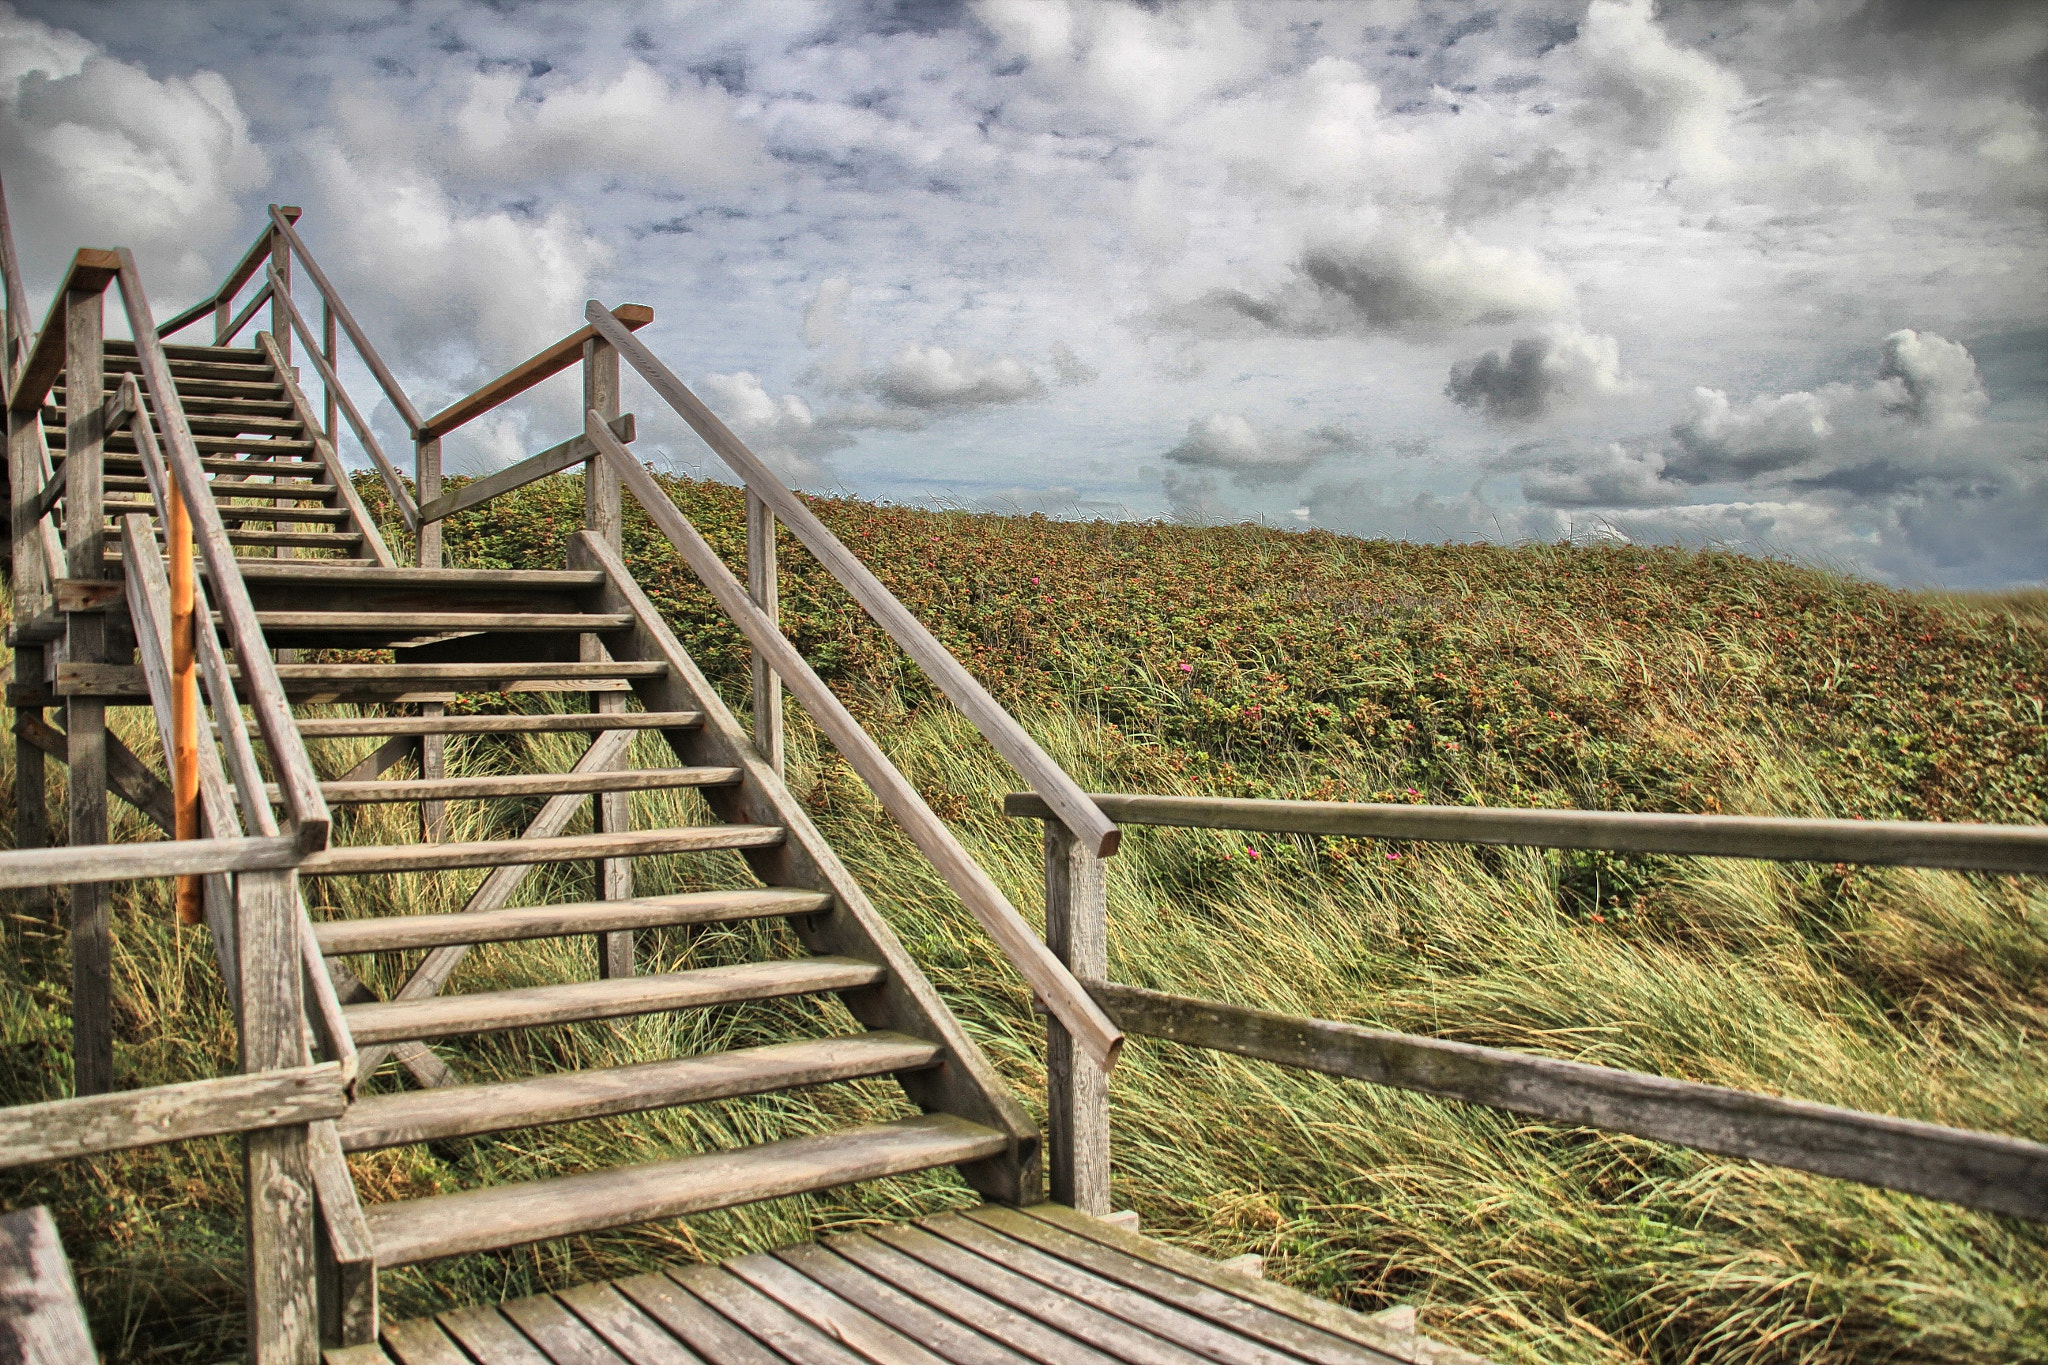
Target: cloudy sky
1770,274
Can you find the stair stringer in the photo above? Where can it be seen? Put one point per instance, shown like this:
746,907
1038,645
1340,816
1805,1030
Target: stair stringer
964,1084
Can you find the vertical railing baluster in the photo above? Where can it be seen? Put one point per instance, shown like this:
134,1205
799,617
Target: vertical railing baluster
604,515
433,748
85,717
762,587
327,353
1077,1091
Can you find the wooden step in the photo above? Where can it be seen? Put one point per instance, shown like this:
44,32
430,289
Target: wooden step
376,576
512,1215
577,1002
471,676
243,424
340,938
312,540
296,488
123,443
520,785
288,469
225,406
182,370
565,848
237,511
468,1110
436,622
181,350
365,726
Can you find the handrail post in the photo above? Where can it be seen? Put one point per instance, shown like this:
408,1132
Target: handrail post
762,587
426,482
31,588
328,402
277,1168
280,308
1077,1091
604,514
85,718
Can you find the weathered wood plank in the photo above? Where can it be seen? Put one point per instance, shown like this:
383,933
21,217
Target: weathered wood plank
41,1319
828,1313
961,1302
340,937
348,1261
526,374
339,862
1277,1330
1906,843
60,1129
1167,1321
551,461
422,1342
424,1115
957,1342
90,271
765,1320
1077,1091
1286,1301
561,1336
1978,1170
468,675
508,1215
626,1328
763,587
490,1338
131,862
349,793
128,775
429,622
499,725
1050,1308
369,1353
85,718
973,700
968,880
688,1318
576,1002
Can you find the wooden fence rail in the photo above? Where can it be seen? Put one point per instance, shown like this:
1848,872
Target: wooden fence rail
1999,1174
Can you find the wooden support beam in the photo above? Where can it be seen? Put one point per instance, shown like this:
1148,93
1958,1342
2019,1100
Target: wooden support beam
130,778
85,718
60,1129
43,1322
1077,1091
763,587
1978,1170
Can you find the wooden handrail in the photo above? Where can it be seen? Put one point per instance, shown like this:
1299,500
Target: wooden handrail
259,671
553,460
126,1119
76,863
408,510
251,262
1055,985
227,335
406,410
526,374
1089,824
91,270
14,346
1898,843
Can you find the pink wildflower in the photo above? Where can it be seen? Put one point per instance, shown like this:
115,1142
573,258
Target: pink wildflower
1187,668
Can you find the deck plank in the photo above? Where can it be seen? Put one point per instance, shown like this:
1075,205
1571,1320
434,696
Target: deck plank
490,1338
689,1319
963,1303
626,1328
1112,1335
562,1336
421,1342
830,1313
957,1342
1251,1319
767,1321
1134,1307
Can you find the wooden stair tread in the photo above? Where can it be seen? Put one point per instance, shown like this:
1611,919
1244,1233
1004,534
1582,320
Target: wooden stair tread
521,784
511,1215
456,673
430,622
377,576
363,726
450,1016
465,1111
341,862
338,938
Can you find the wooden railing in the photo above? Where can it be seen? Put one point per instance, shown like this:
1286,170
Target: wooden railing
1978,1170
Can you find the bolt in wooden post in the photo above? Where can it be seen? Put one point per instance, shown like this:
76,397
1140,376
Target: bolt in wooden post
1077,1098
85,718
284,1324
761,586
604,514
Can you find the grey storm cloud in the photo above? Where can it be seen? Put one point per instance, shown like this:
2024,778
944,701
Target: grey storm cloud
1255,455
1537,376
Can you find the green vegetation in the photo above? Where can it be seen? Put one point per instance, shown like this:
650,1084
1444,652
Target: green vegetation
1153,658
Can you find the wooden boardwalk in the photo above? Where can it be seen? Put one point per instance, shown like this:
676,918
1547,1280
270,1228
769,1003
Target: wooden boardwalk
994,1286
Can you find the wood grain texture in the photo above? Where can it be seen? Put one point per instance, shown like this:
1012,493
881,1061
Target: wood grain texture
955,1341
824,1310
85,728
968,880
426,1115
339,937
41,1319
1077,1091
338,862
768,1322
451,1016
348,1261
1978,1170
763,587
960,686
524,784
563,1337
625,1327
690,1320
510,1215
1906,843
421,1342
60,1129
499,725
131,862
